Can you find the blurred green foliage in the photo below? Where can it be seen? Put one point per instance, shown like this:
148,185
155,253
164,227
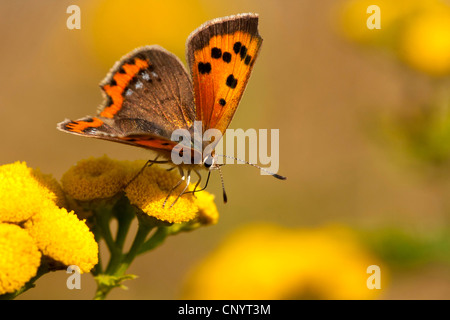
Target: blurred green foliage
401,249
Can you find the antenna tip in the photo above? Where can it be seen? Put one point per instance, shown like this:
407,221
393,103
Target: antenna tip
279,177
225,199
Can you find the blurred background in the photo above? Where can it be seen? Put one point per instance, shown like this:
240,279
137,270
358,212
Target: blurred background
364,124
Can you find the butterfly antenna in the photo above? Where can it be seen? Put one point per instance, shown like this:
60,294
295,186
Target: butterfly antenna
254,165
223,186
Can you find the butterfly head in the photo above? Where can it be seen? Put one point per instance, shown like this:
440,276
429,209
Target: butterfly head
210,162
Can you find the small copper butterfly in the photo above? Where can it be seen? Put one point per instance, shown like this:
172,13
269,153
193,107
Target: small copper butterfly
148,93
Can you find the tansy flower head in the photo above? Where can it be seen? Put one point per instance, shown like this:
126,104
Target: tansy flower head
94,178
47,181
149,191
61,236
24,191
207,213
19,258
271,262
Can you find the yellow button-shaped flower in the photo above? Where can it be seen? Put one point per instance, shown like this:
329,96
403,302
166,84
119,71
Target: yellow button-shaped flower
208,213
95,178
150,189
24,191
61,236
19,258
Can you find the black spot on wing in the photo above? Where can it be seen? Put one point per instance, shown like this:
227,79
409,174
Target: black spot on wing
231,81
204,67
237,47
243,52
226,57
216,53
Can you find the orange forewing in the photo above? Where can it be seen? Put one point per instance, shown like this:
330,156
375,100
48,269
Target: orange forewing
220,71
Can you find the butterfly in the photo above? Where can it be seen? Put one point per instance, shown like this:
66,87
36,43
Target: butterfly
148,94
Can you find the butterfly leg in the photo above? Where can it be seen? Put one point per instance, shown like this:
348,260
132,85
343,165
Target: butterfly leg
175,186
149,163
188,180
197,184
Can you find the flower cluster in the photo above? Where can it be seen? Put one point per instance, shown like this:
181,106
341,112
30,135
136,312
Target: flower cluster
95,179
46,226
36,231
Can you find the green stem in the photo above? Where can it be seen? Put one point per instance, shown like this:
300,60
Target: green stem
155,240
119,263
103,216
102,292
139,240
125,215
98,268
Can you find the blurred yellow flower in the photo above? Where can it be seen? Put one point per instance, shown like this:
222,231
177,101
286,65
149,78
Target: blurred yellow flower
150,189
353,19
417,31
119,26
425,44
61,236
271,262
95,178
19,258
24,191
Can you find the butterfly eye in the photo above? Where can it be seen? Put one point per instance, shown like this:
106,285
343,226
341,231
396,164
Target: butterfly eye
208,162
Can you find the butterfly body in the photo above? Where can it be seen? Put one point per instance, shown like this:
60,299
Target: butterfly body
149,94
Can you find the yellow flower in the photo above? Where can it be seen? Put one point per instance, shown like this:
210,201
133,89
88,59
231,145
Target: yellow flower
425,44
208,213
61,236
353,19
99,178
150,189
418,31
19,258
24,191
271,262
95,178
47,181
